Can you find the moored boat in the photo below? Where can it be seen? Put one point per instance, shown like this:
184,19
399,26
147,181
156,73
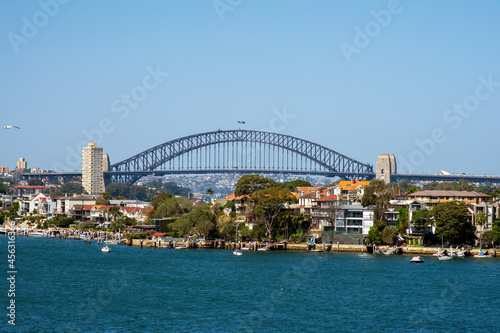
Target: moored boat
483,254
417,260
445,257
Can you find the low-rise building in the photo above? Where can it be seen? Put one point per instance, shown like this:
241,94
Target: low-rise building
65,204
435,197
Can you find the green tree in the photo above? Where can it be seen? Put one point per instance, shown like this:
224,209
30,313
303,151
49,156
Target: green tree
491,237
375,232
389,235
209,191
268,204
421,218
106,195
378,194
248,184
292,186
69,189
412,189
480,219
61,221
452,222
402,220
14,209
164,205
115,212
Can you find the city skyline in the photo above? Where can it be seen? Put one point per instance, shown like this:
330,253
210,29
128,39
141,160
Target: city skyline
414,79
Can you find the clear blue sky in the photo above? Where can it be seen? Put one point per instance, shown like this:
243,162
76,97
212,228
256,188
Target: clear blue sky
354,78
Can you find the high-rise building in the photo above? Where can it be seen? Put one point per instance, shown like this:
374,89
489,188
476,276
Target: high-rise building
93,166
4,169
21,164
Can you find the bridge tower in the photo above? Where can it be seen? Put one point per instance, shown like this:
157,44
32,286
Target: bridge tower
386,166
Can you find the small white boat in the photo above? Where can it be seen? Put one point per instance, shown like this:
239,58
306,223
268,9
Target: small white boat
417,260
106,248
236,252
36,234
445,257
482,255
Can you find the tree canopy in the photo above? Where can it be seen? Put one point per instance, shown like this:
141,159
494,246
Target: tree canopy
378,194
291,186
452,222
269,203
248,184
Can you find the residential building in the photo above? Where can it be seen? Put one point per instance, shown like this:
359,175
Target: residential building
491,213
38,204
65,204
324,211
354,219
4,169
94,163
435,197
352,190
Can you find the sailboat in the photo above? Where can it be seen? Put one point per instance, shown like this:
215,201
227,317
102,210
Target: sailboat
236,252
106,248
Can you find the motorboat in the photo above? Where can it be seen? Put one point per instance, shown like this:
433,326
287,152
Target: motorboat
105,249
237,253
417,260
36,234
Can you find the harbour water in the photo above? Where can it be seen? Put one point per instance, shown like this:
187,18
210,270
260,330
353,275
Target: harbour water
69,286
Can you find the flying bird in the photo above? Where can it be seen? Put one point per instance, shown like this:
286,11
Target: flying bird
10,126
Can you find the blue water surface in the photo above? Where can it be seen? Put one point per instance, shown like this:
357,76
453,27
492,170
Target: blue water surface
69,286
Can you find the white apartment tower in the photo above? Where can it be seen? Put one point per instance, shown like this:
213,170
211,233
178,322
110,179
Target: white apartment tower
94,163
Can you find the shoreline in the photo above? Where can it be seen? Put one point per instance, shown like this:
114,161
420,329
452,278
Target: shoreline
253,246
304,247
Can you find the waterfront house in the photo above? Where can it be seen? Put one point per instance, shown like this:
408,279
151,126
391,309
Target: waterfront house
65,204
324,211
38,204
354,219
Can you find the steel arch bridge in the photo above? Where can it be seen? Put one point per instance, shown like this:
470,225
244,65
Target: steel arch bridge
238,151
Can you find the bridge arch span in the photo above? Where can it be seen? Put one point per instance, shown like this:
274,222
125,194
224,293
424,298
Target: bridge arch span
237,150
